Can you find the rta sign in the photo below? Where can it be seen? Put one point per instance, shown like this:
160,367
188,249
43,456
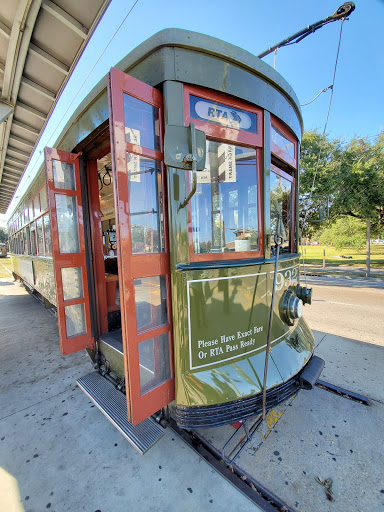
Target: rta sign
223,114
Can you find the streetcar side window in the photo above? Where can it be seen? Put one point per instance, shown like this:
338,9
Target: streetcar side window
36,205
282,199
282,185
40,237
21,237
283,145
30,211
43,199
47,235
33,244
26,238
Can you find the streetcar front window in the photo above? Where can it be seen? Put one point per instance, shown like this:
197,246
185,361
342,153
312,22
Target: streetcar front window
224,207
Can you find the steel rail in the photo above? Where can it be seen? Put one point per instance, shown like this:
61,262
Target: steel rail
345,393
245,483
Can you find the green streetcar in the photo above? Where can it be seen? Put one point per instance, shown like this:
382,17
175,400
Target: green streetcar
187,153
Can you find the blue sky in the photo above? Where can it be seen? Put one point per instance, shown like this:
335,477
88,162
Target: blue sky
358,100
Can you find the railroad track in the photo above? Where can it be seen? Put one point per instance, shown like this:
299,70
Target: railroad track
260,495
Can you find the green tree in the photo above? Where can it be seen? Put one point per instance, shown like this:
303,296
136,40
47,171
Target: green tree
351,174
316,177
312,145
346,233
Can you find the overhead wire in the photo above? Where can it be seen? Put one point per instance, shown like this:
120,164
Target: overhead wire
315,98
329,109
323,135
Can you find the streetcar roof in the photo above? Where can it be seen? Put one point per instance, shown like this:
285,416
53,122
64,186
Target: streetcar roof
156,60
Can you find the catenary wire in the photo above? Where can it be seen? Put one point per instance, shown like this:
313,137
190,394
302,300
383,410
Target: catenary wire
323,135
315,98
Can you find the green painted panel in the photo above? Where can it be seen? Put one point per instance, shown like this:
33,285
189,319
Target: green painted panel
227,311
227,383
38,272
291,355
213,305
45,278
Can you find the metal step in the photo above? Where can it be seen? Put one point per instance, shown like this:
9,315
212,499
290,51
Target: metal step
112,403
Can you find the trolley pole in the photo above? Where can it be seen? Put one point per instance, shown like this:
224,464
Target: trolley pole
342,12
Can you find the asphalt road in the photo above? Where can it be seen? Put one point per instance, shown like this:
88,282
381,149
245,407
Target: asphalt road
348,307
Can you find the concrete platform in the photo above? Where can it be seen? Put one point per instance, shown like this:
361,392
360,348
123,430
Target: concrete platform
354,365
324,435
59,453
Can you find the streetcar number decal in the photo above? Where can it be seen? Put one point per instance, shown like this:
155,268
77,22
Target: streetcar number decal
287,278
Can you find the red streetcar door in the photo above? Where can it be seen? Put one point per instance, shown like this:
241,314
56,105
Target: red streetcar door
68,250
136,126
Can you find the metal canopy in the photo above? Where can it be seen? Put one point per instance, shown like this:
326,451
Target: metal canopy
40,44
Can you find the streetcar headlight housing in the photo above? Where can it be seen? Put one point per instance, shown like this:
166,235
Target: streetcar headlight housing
304,293
291,307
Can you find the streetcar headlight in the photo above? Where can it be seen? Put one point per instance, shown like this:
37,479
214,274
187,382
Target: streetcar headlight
291,307
295,307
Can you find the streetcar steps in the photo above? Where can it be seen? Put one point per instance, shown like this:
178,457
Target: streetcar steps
112,403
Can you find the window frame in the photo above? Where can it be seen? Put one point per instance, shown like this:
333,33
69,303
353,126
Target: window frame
276,150
217,133
223,133
291,179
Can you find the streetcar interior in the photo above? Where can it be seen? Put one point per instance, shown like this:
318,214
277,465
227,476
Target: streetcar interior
146,236
108,237
224,208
